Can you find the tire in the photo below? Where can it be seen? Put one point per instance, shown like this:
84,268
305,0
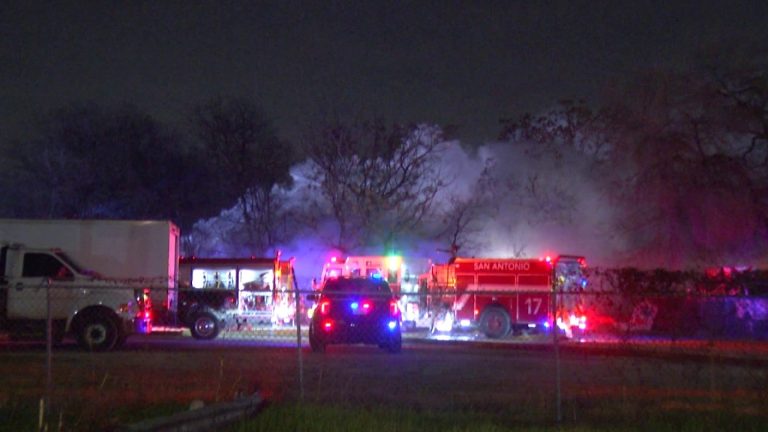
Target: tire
395,344
97,331
205,326
495,323
316,344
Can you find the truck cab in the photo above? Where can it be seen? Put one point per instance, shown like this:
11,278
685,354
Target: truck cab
41,284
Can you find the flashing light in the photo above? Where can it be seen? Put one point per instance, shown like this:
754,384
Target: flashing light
573,321
283,313
445,324
333,259
333,273
376,275
579,321
465,323
546,324
392,325
531,325
394,309
366,306
327,325
393,262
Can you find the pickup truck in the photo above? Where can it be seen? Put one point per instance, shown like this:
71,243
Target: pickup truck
41,284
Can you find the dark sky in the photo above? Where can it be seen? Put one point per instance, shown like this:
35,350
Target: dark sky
460,63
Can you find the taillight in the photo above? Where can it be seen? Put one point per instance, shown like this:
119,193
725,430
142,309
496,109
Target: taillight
327,325
325,307
144,304
394,309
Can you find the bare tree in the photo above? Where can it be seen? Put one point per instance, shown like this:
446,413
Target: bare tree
464,218
248,162
562,148
89,161
678,176
379,181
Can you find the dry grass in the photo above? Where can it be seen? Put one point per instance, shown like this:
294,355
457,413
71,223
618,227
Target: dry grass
504,388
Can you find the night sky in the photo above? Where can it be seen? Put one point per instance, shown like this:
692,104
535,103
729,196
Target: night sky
459,63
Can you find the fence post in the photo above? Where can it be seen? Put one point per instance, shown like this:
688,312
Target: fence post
48,353
297,318
556,346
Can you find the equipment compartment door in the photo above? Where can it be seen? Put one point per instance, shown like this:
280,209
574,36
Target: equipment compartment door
532,307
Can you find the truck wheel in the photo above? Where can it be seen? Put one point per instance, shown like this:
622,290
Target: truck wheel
204,326
316,344
97,332
395,344
495,323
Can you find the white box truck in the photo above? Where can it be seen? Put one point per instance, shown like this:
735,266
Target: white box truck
103,279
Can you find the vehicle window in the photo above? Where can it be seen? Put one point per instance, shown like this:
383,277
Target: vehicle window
357,286
40,265
67,259
216,278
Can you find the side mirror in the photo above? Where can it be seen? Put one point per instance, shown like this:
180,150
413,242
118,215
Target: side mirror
312,297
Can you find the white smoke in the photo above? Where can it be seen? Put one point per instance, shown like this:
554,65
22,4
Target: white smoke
514,226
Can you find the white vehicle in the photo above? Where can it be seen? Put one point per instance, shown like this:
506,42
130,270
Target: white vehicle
64,262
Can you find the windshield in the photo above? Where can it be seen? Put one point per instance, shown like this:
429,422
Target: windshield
357,286
569,273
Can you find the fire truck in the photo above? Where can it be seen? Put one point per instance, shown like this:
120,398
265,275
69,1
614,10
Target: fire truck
391,268
247,291
497,296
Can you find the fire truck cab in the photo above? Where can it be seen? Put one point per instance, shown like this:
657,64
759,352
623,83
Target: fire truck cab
497,296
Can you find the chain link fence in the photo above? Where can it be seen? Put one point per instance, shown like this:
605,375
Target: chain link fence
94,357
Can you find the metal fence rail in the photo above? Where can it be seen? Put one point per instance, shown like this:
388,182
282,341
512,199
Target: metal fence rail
663,329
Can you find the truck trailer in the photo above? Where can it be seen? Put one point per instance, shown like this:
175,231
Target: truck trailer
103,279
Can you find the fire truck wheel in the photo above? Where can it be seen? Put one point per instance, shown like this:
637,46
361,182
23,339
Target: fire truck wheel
495,323
204,326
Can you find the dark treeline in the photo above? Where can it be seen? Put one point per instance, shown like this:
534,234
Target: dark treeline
670,168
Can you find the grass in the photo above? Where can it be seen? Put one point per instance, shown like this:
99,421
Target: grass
324,418
362,388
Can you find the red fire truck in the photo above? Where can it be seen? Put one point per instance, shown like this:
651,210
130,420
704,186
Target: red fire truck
500,295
